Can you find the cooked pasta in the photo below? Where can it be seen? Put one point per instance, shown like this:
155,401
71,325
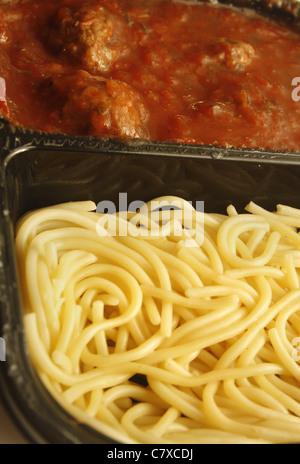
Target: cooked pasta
154,332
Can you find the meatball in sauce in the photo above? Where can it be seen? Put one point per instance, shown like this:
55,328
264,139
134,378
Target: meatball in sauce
92,105
88,35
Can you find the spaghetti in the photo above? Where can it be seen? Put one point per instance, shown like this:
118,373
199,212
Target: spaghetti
149,337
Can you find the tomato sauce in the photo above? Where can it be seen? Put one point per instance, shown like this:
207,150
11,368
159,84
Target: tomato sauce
198,73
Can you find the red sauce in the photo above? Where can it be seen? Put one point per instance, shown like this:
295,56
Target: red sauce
197,73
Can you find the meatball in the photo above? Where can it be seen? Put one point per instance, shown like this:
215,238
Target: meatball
89,105
87,35
234,54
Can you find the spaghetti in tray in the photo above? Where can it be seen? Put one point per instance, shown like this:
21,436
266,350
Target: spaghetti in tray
167,333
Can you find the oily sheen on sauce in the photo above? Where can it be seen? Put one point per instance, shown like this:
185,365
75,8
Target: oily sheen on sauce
154,70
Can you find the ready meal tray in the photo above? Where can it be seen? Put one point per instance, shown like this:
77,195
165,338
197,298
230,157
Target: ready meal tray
40,169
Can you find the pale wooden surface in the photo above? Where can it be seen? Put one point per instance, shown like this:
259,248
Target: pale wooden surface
9,432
